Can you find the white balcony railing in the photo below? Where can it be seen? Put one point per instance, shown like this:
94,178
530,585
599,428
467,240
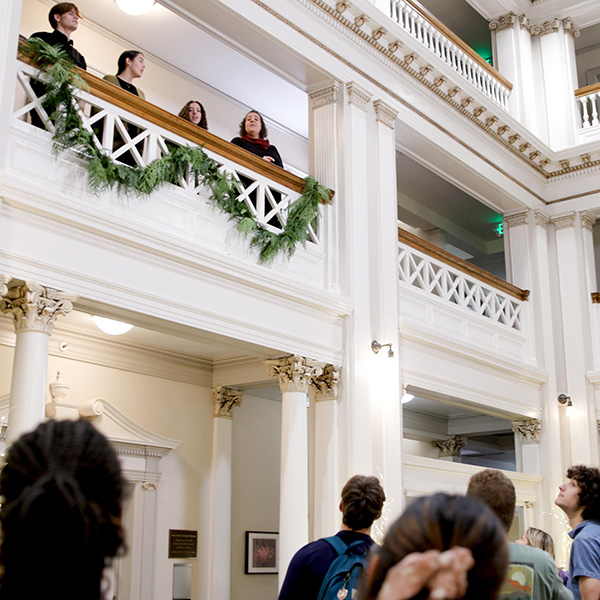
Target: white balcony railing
428,32
455,287
588,103
136,141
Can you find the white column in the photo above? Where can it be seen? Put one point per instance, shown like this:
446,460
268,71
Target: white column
513,58
295,374
34,309
386,386
355,276
326,514
323,164
575,309
10,16
557,53
527,449
224,401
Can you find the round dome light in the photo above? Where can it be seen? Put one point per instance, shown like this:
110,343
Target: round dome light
135,7
110,326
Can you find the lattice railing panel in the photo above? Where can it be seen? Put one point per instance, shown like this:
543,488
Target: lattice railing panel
420,271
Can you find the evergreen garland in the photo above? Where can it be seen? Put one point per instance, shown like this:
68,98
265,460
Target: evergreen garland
104,174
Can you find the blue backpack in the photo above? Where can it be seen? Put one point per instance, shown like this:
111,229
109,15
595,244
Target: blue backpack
346,570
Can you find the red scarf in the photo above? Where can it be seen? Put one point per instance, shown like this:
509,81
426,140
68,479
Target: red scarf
260,142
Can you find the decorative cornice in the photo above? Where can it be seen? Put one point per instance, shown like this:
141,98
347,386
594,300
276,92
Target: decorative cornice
587,221
295,372
563,221
541,219
35,307
342,6
570,27
224,401
450,447
357,96
324,96
503,22
528,429
384,114
516,219
326,384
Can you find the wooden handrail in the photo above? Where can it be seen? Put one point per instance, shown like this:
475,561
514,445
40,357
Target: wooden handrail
459,42
414,241
158,116
588,89
595,297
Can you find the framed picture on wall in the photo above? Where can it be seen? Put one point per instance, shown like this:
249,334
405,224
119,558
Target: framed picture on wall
262,552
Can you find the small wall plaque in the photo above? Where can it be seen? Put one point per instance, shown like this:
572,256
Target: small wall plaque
183,543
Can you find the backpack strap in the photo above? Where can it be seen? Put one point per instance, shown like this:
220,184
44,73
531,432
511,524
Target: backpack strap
340,546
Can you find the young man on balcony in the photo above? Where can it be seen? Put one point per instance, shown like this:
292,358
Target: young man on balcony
64,20
579,498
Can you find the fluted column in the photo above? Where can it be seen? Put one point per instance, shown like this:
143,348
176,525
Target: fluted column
326,463
295,374
10,17
34,309
224,401
575,305
323,164
527,448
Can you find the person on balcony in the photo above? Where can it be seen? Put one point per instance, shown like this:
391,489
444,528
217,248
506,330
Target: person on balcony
253,137
194,112
64,20
130,66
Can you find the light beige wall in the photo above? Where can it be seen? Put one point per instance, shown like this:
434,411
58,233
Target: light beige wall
6,362
417,448
255,489
176,410
586,61
164,87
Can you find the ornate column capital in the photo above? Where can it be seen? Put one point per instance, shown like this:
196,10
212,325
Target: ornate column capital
570,27
587,221
324,96
516,219
450,447
550,26
503,22
563,221
541,219
4,279
35,307
295,372
224,401
326,384
528,429
384,114
357,96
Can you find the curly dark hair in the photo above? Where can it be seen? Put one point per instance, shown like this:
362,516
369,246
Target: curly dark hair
588,480
263,128
184,113
496,490
61,512
362,501
440,522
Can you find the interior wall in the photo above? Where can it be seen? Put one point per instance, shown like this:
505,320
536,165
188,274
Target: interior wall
586,60
165,86
255,489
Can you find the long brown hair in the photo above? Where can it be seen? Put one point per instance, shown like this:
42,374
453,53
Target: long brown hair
184,113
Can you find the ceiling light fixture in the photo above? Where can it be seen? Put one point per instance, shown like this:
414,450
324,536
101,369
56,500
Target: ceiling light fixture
110,326
135,7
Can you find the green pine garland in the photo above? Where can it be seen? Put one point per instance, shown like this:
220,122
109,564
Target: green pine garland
104,174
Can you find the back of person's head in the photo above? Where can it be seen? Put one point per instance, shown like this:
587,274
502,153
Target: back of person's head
588,480
362,501
497,491
540,539
441,522
61,512
60,9
122,61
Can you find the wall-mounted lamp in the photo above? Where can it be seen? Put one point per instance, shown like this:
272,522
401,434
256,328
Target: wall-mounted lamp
564,399
406,397
376,347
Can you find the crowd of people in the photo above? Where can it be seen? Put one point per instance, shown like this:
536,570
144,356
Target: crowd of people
64,19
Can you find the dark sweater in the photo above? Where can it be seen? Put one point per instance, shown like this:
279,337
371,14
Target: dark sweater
309,566
57,38
256,149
